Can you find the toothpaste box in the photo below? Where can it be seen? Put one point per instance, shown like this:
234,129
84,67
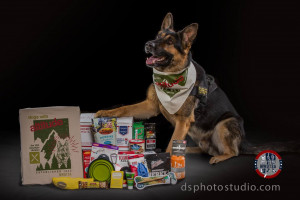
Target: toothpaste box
86,130
124,132
104,130
104,151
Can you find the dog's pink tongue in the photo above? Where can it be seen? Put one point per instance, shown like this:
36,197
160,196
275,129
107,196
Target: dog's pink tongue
151,60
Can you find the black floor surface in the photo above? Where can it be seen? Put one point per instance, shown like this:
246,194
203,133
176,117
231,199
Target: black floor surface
199,173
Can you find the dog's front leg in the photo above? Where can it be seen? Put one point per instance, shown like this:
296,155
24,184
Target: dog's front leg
181,129
142,110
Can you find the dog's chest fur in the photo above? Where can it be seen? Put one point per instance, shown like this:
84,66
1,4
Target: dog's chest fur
186,111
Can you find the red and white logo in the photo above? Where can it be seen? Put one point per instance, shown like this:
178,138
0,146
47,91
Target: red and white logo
268,164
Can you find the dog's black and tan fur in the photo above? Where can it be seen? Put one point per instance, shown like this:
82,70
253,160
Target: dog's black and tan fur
215,127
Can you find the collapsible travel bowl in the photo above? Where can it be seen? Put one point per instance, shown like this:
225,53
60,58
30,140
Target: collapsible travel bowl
100,170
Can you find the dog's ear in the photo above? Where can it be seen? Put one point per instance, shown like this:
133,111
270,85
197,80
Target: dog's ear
188,35
168,22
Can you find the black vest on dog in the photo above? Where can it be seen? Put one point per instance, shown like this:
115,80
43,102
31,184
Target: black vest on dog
213,105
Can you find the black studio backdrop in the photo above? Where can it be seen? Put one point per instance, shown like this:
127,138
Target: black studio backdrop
91,54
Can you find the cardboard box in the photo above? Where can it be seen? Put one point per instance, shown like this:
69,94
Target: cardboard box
86,130
104,130
50,144
124,132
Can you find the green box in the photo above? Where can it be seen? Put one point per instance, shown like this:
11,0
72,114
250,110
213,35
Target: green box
140,130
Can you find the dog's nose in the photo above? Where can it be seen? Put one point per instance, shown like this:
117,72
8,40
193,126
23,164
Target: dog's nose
148,46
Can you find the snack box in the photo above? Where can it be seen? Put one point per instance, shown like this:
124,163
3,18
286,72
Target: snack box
86,130
124,132
104,130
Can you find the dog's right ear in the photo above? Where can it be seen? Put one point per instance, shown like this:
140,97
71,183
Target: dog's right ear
188,35
168,22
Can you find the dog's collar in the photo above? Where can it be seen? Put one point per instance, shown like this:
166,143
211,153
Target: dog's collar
169,73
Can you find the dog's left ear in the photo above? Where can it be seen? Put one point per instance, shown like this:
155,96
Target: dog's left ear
168,22
188,35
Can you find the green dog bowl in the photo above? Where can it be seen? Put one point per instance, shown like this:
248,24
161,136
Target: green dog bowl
100,170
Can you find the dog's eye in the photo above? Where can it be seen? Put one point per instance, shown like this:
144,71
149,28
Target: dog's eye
170,41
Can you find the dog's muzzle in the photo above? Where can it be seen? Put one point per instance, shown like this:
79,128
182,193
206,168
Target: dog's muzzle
149,46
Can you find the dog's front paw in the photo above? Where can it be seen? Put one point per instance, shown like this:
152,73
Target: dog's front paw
214,160
103,113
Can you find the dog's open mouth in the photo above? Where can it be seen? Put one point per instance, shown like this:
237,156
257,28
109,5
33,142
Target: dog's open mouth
151,61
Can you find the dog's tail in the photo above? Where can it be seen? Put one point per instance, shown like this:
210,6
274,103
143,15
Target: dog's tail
249,148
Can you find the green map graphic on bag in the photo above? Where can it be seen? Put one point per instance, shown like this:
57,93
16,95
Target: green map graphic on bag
54,135
170,84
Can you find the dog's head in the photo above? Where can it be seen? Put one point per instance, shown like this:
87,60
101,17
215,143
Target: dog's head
170,49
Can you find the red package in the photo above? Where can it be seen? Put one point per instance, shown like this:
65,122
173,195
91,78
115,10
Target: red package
86,154
134,161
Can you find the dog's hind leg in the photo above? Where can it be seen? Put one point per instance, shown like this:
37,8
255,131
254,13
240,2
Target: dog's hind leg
226,139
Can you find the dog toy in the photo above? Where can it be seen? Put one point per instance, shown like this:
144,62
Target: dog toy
142,182
142,170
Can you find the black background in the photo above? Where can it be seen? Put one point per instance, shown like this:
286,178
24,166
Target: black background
91,54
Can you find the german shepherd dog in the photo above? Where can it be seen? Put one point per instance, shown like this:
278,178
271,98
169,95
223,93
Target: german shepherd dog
206,115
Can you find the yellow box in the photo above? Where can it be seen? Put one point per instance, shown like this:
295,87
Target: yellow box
116,180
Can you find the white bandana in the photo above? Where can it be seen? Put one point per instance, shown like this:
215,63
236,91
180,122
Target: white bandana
173,88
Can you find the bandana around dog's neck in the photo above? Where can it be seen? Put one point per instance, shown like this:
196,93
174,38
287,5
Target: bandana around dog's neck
173,88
